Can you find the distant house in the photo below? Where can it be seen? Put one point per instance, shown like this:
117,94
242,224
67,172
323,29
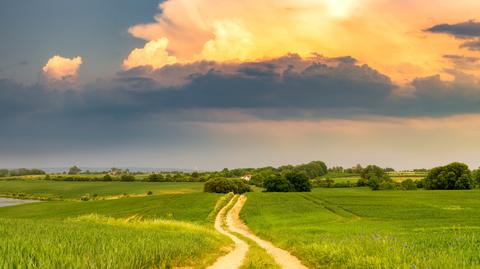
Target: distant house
247,177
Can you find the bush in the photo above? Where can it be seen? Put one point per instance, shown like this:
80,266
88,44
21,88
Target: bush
408,185
149,193
127,178
107,177
224,185
455,176
278,184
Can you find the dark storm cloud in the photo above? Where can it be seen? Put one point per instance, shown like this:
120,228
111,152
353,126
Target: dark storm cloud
141,103
469,29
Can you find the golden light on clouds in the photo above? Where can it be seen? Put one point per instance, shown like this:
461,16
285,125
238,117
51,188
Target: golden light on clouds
154,54
61,68
386,34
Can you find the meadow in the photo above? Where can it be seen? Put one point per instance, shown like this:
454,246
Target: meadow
75,190
170,229
358,228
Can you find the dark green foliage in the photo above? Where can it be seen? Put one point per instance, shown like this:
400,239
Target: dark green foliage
408,185
149,193
226,185
312,169
74,170
476,178
376,178
420,184
20,172
300,181
278,184
127,178
372,171
107,177
455,176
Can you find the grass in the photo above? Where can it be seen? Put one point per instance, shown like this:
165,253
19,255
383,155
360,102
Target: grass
172,228
257,257
95,241
192,207
358,228
74,190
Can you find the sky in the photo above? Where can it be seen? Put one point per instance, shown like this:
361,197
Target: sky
208,84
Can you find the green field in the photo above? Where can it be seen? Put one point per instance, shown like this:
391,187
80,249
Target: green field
327,228
173,228
67,189
358,228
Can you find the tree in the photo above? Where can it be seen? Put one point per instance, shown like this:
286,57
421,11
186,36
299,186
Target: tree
455,176
408,185
372,171
107,177
74,170
300,181
226,185
278,184
476,177
375,177
312,169
127,178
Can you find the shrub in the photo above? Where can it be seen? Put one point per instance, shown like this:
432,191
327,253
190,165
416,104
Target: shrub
149,193
455,176
387,185
300,181
278,184
224,185
127,178
107,177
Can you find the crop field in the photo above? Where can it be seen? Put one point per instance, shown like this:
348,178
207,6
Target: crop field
68,189
157,231
358,228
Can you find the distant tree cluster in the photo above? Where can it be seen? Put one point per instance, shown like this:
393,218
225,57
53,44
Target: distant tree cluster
226,185
455,176
376,178
289,182
20,172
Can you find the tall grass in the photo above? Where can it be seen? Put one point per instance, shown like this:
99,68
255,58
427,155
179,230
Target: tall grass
95,241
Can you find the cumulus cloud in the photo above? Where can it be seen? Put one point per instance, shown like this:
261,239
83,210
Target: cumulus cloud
61,68
153,54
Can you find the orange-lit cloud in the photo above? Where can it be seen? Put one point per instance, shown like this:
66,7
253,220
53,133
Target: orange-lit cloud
61,68
386,34
154,54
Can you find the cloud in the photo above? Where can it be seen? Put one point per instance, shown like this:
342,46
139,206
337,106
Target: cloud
61,68
469,29
182,107
472,45
153,54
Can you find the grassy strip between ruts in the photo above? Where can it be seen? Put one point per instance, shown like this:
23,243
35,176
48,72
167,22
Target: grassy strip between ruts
257,257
